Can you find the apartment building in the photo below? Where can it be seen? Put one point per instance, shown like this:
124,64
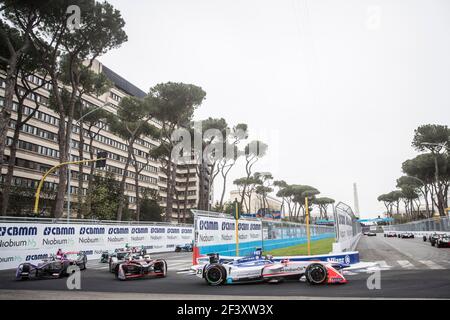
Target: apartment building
38,148
272,204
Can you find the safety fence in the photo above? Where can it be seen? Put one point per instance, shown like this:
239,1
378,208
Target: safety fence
348,228
35,241
441,224
278,234
216,233
17,219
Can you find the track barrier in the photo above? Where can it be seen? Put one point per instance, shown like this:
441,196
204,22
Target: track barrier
34,241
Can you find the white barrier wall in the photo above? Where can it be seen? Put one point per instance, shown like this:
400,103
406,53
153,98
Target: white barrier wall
216,234
348,229
346,245
32,242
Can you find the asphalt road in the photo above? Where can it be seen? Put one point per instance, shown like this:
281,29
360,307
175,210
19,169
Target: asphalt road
409,268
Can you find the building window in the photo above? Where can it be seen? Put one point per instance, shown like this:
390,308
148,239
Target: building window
115,97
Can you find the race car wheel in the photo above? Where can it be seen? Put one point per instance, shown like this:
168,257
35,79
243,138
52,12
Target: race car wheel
26,268
177,249
116,271
215,275
424,238
162,267
316,273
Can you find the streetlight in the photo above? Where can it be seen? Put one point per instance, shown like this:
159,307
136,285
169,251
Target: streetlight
69,174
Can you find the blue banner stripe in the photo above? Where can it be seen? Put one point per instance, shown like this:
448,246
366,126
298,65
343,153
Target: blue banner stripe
246,248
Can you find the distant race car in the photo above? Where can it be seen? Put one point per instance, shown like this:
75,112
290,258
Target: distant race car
141,267
124,254
184,247
443,241
408,235
371,234
104,258
390,234
53,267
433,238
257,268
117,257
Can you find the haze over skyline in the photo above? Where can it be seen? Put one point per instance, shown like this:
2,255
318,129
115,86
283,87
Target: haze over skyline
336,89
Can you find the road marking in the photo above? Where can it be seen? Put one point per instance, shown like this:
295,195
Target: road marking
178,264
405,264
184,271
431,264
349,273
382,264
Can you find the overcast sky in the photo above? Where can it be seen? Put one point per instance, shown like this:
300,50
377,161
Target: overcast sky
335,87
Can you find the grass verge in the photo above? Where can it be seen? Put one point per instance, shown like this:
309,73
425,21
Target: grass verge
322,246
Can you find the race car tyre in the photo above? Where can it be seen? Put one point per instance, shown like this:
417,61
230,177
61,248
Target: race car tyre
63,273
316,273
25,268
116,272
162,266
432,244
215,275
424,238
177,249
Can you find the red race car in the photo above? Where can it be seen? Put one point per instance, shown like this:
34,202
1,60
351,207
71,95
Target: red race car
141,267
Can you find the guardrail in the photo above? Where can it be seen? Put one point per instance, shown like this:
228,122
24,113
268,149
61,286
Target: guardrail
13,219
216,232
34,239
432,224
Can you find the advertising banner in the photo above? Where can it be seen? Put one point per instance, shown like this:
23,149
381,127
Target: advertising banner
216,234
21,242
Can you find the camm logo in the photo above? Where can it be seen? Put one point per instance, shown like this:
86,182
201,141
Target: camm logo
18,231
59,231
90,230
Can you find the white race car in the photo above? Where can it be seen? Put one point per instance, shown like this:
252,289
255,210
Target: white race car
257,268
